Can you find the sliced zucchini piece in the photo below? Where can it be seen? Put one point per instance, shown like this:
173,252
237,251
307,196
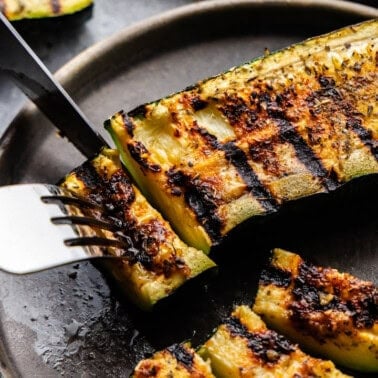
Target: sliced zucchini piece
20,9
158,262
244,347
331,313
177,361
299,121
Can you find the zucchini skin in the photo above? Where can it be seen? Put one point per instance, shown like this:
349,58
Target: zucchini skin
178,361
159,261
301,121
244,347
28,9
330,313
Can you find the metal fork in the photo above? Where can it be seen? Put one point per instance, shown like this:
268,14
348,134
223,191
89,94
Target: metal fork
40,229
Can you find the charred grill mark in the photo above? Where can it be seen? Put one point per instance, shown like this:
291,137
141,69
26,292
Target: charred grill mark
238,111
267,345
182,355
197,103
275,110
312,297
306,155
149,237
129,125
137,150
329,90
365,135
238,158
88,175
55,6
275,276
115,195
126,120
176,179
256,114
139,112
201,198
145,239
208,138
121,192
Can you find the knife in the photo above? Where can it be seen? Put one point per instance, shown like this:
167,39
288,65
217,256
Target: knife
19,61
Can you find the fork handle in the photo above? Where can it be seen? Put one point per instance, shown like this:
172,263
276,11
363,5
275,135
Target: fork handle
19,61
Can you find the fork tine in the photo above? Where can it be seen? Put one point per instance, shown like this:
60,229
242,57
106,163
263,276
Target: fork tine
68,200
85,221
95,241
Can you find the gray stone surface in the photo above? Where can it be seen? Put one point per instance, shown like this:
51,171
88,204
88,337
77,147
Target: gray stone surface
56,45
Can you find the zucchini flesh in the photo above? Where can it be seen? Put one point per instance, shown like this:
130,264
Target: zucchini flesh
159,261
20,9
178,361
300,121
330,313
241,347
244,347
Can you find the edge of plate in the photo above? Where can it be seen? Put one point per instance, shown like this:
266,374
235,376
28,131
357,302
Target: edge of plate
66,73
87,56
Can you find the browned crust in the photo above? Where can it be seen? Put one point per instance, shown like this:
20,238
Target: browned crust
116,195
317,294
267,345
317,290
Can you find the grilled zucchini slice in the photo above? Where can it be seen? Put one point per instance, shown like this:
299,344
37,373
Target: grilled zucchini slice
300,121
20,9
331,313
159,262
244,347
178,361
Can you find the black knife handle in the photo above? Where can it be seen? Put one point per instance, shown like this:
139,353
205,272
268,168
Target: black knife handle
19,61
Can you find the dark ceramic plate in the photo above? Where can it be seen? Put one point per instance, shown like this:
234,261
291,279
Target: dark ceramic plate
72,320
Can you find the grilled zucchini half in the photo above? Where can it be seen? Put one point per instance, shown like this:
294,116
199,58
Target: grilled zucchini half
331,313
20,9
299,121
158,262
177,361
244,347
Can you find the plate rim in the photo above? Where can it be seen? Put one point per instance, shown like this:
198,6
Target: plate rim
88,56
66,73
139,28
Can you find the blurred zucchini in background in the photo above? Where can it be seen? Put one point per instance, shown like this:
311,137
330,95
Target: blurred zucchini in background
176,361
327,312
158,262
29,9
300,121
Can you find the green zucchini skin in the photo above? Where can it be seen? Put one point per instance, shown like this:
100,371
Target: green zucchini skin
34,9
300,121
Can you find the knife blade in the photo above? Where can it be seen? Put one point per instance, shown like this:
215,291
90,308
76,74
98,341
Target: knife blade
20,62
